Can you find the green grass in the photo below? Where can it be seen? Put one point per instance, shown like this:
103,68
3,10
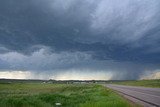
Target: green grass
144,83
69,95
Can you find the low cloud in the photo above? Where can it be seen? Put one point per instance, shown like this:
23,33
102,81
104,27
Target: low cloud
44,63
151,74
43,59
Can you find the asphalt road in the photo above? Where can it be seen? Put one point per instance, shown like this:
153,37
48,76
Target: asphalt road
148,97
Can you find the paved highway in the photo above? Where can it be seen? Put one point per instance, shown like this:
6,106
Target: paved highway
148,97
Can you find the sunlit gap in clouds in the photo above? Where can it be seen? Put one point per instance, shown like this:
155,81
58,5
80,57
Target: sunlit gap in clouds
83,75
15,74
73,74
65,75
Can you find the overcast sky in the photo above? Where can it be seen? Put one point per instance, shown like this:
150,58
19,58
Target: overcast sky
79,39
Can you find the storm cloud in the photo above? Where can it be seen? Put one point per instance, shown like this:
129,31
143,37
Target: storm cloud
80,37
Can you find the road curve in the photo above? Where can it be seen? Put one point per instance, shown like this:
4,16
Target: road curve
148,97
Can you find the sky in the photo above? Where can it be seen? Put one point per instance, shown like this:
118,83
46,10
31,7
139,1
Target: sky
80,39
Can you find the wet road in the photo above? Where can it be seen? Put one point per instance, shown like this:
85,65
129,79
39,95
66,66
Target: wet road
148,97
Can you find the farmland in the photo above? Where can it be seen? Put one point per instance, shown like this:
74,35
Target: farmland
64,95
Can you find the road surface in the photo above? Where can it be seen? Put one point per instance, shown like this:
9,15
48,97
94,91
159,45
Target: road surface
148,97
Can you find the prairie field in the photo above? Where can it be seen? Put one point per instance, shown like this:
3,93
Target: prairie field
59,95
145,83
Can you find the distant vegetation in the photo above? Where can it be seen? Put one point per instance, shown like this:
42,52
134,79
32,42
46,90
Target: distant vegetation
145,83
62,95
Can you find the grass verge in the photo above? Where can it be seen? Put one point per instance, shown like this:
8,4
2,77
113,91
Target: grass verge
144,83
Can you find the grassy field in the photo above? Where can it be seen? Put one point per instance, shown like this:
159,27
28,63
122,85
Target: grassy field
69,95
145,83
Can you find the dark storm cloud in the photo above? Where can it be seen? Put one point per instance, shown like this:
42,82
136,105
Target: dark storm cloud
64,34
29,23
